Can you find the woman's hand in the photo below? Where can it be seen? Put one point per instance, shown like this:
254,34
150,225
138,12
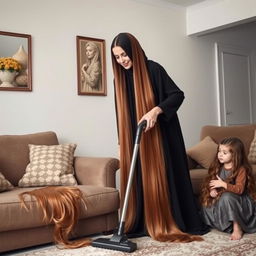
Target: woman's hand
219,183
213,192
151,117
83,71
85,66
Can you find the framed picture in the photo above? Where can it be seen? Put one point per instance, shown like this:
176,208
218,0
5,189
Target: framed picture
15,62
91,66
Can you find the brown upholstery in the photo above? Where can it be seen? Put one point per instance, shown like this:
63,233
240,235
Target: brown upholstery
107,201
97,165
14,152
20,228
41,235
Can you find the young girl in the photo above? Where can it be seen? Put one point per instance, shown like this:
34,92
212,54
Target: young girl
229,192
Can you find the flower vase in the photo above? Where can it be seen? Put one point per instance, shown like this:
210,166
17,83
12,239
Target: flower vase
7,77
22,57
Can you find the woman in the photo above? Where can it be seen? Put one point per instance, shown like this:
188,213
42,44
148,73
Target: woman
91,70
161,203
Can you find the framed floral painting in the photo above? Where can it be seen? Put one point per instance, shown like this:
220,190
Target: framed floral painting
15,62
91,66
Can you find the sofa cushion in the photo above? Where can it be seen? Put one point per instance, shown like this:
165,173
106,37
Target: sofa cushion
14,152
49,165
99,201
252,151
204,152
4,183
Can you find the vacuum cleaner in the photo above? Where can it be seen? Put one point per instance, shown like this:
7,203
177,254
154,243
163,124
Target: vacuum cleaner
119,240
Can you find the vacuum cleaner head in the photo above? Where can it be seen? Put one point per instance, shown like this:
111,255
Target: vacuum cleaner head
118,243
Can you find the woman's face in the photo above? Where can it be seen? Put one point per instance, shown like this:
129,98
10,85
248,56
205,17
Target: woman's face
89,51
121,57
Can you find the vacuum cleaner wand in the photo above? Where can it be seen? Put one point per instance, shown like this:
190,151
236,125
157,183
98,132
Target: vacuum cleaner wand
119,241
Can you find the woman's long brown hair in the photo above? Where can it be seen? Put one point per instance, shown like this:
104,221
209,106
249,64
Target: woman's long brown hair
61,206
239,160
158,217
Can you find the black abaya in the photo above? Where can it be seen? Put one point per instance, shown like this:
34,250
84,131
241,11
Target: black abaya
169,98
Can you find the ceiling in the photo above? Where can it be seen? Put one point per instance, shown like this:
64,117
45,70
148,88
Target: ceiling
185,3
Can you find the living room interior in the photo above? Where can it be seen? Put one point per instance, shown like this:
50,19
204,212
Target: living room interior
181,35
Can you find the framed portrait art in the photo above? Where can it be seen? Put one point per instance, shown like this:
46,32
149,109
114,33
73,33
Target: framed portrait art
91,66
15,62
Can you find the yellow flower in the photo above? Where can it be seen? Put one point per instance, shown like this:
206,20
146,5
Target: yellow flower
8,63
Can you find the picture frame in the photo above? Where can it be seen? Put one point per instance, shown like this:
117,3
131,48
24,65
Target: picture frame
15,48
91,66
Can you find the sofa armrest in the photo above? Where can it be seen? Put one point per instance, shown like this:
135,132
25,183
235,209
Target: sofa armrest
97,171
191,163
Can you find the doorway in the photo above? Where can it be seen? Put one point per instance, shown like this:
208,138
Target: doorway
235,80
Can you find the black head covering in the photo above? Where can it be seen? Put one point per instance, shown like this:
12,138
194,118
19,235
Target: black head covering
123,41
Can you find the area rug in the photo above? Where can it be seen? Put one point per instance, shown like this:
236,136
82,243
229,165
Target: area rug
215,244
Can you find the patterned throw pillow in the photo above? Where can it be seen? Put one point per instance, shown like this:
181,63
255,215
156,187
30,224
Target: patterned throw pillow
4,183
252,151
49,166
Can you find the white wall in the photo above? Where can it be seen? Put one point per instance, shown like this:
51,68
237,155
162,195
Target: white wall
89,121
212,15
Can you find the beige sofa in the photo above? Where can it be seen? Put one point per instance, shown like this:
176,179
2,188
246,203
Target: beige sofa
204,150
96,178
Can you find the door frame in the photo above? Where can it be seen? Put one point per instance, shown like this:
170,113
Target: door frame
220,50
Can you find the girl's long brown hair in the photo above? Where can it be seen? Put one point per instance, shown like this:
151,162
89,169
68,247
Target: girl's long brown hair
239,160
158,217
61,206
